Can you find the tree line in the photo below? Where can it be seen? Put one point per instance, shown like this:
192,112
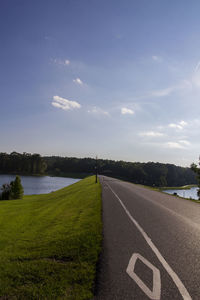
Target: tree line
25,163
152,174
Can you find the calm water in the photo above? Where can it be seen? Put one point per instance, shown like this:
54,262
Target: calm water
39,185
192,193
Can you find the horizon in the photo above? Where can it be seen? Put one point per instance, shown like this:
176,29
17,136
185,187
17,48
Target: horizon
116,80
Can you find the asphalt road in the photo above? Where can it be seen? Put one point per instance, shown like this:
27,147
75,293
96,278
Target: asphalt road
151,244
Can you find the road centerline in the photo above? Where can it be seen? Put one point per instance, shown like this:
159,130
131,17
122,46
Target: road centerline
182,289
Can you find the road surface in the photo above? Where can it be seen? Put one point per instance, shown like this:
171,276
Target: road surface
151,244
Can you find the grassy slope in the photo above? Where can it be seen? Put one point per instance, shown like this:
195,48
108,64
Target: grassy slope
49,244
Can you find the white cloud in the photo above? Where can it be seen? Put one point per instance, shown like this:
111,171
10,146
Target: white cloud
98,111
61,62
181,144
172,125
184,142
151,134
78,81
174,145
183,123
64,104
157,58
180,125
56,104
67,62
125,111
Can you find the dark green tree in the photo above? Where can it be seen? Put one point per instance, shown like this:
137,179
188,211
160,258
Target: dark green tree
17,190
196,169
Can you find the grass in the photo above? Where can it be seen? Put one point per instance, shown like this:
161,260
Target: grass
185,187
160,189
49,244
70,175
147,187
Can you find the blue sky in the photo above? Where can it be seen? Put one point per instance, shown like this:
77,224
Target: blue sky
117,79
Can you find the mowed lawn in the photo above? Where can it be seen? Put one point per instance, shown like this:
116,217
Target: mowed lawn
49,244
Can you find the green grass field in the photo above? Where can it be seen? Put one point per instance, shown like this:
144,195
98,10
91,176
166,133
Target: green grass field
49,244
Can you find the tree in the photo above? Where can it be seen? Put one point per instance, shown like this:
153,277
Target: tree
196,169
17,190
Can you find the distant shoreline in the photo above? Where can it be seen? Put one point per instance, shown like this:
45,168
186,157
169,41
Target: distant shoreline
184,187
67,175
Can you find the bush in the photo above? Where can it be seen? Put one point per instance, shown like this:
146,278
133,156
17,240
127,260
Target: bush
6,191
14,190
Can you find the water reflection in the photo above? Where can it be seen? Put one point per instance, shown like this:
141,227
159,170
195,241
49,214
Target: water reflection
39,184
191,193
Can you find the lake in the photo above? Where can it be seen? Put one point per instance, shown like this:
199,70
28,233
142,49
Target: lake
39,184
191,193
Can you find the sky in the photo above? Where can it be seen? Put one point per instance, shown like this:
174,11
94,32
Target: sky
119,79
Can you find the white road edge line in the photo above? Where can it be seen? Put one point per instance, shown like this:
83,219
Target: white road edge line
183,291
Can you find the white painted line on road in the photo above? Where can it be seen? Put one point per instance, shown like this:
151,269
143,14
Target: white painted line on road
183,291
155,294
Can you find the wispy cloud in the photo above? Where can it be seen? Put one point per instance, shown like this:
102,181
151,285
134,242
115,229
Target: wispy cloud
157,58
67,62
174,145
48,38
78,81
118,36
61,62
162,92
182,85
151,134
180,125
98,111
192,82
195,80
197,67
182,144
65,104
126,111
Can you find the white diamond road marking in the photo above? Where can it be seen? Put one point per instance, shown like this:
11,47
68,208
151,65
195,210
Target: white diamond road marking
155,294
182,289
